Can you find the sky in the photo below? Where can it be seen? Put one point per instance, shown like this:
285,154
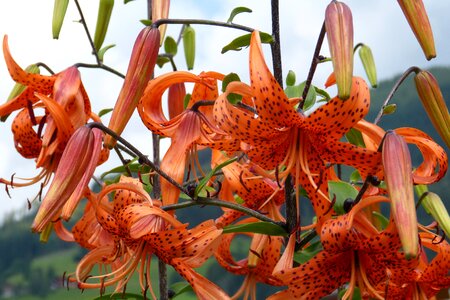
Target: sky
378,23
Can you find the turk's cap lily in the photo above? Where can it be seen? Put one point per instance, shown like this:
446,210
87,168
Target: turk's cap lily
339,27
140,70
417,17
398,176
74,172
431,96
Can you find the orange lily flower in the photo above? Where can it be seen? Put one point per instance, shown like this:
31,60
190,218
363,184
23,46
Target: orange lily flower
140,228
67,108
275,135
354,252
190,128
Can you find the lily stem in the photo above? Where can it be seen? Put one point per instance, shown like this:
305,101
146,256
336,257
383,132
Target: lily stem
88,34
276,45
315,61
394,89
221,203
143,159
159,22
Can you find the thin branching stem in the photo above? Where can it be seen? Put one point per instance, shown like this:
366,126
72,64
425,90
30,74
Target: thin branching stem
314,62
221,203
276,44
160,22
394,89
100,66
88,34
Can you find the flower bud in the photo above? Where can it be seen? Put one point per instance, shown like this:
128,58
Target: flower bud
59,12
434,206
140,70
160,10
104,15
177,93
189,46
339,27
416,15
431,96
73,174
398,176
369,64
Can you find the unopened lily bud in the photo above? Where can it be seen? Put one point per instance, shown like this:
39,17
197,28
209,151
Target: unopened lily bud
140,69
19,88
189,46
339,27
160,10
104,15
177,93
72,175
417,17
431,96
398,176
434,206
365,53
59,12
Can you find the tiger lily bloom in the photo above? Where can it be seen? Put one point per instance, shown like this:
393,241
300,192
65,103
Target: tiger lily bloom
189,129
354,252
275,135
140,229
72,176
67,107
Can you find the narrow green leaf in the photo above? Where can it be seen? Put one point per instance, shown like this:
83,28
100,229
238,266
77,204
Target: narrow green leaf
296,91
389,109
146,22
162,60
179,288
201,185
126,1
355,177
187,98
355,137
244,41
170,46
233,98
101,52
341,191
236,11
290,78
257,227
105,111
323,93
306,254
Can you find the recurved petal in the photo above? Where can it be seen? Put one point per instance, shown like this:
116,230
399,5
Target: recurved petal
271,103
26,140
40,83
336,117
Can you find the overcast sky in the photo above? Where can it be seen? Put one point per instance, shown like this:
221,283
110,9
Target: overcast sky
377,23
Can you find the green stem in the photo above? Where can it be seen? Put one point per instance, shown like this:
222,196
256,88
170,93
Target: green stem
394,89
201,22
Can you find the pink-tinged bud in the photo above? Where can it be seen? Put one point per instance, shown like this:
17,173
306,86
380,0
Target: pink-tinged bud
339,27
140,70
431,96
398,176
72,176
177,93
416,15
160,10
